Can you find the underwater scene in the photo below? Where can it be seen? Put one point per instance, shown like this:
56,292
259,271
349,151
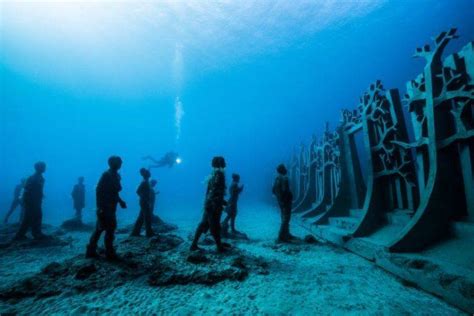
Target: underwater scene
224,157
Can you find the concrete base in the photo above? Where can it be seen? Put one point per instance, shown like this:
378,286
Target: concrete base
454,283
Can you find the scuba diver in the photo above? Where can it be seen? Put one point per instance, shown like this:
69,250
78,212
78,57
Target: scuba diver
79,198
32,201
213,206
107,198
169,159
144,191
231,209
16,199
281,189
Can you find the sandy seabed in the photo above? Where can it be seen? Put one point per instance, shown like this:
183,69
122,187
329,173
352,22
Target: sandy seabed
302,280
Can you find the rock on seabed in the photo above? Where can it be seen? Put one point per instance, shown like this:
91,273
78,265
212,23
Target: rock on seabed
160,261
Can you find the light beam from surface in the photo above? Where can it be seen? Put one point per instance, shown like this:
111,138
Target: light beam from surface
120,45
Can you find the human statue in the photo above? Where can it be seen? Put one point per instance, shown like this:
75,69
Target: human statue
281,189
32,201
213,205
79,198
234,191
107,198
144,192
16,202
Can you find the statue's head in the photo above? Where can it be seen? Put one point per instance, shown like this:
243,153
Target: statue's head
40,167
115,163
281,169
145,173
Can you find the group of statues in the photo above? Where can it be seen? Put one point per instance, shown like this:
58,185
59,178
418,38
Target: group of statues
29,195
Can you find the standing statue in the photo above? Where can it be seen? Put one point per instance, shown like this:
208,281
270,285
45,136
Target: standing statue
79,198
144,191
107,197
281,189
16,199
234,190
32,201
155,219
213,205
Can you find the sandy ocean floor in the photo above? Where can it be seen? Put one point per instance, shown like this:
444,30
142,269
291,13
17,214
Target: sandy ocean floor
311,280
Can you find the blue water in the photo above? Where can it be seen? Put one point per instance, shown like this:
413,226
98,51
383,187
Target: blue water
248,80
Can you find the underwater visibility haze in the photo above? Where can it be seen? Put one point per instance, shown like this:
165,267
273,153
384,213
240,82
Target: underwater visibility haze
248,80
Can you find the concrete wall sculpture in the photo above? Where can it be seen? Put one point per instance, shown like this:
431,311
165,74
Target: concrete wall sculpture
414,193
